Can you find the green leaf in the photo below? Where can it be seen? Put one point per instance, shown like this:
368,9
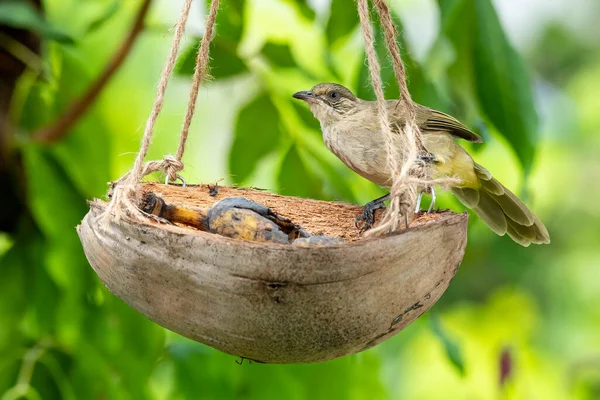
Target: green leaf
44,296
450,11
488,69
503,84
278,55
54,203
257,133
190,361
131,355
224,60
343,19
304,8
99,21
23,15
38,107
568,57
336,182
453,55
335,186
83,152
306,116
331,65
12,356
295,179
421,88
57,207
230,19
364,89
57,362
452,349
16,267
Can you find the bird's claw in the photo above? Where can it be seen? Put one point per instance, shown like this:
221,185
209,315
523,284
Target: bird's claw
431,190
368,215
368,218
213,190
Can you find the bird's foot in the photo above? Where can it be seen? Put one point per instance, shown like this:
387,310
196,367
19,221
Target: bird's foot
431,190
213,190
418,205
430,209
368,215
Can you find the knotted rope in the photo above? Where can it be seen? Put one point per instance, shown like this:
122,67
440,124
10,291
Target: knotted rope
403,148
124,197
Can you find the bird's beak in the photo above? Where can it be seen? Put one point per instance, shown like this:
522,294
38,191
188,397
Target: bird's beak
305,95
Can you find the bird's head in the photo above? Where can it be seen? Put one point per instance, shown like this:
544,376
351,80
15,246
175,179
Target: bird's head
329,102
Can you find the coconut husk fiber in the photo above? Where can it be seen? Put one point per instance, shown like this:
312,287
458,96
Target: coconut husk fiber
335,219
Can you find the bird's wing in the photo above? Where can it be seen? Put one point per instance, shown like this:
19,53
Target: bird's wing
432,120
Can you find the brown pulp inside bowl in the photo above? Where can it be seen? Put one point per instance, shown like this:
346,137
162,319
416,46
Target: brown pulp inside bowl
335,219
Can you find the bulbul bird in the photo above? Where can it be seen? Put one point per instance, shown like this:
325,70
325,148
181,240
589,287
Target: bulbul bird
351,130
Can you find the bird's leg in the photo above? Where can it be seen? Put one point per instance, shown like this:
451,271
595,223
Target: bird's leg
426,159
368,213
430,209
418,207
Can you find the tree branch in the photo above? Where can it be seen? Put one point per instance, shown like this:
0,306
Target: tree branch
63,124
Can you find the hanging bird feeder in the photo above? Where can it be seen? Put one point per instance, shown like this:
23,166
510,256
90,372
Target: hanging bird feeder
266,301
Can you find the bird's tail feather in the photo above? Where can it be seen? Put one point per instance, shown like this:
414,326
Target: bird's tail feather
502,211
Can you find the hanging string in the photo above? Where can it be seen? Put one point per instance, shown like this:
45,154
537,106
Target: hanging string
390,34
403,148
124,191
391,140
199,74
138,165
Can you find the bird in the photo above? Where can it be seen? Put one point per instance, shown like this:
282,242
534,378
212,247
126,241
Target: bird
351,130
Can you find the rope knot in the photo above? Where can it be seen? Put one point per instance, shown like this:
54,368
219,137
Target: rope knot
171,166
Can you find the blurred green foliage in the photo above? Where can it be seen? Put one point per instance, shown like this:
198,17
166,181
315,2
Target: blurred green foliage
23,15
530,315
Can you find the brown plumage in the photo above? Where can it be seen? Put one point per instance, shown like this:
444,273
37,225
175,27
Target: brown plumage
351,131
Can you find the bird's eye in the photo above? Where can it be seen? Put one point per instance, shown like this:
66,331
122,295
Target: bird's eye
333,95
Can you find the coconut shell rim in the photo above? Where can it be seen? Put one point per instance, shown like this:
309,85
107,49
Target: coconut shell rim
446,217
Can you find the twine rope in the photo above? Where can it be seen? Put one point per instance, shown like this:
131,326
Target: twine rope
390,33
402,148
391,140
125,190
138,165
200,72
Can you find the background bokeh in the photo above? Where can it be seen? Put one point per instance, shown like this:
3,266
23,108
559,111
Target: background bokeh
516,323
